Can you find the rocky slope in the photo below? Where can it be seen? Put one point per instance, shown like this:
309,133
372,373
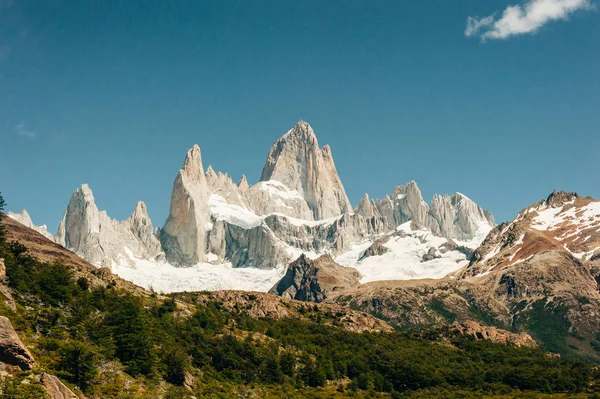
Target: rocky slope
538,274
25,220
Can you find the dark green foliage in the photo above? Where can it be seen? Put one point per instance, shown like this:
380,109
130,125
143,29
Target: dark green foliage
77,363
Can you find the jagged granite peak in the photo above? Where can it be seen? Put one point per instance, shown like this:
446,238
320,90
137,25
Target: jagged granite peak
243,184
141,227
455,217
25,219
184,234
211,175
367,208
406,203
297,161
458,217
192,166
222,185
103,241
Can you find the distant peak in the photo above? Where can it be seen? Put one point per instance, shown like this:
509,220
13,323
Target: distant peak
141,208
301,130
86,191
243,183
557,198
192,166
210,171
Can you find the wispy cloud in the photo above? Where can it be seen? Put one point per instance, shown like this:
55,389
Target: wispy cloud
21,130
523,19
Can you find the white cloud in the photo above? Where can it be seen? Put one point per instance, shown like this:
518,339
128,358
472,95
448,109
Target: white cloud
523,19
21,130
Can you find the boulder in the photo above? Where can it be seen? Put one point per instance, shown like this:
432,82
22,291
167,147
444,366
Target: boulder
12,350
56,389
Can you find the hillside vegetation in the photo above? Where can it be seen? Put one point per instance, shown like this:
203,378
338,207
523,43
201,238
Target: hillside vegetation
108,342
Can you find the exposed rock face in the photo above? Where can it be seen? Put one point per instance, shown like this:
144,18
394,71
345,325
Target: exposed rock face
297,161
243,184
277,238
2,269
271,196
367,208
141,227
376,249
493,334
56,389
455,217
25,220
12,350
312,280
458,217
222,185
101,240
185,232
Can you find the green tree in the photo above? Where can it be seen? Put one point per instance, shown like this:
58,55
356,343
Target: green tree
77,364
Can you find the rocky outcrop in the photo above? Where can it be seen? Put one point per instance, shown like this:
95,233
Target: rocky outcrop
263,305
297,161
55,388
480,332
25,220
312,280
376,249
430,255
12,350
184,234
101,240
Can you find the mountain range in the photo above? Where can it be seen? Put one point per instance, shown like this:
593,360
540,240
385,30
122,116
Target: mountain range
225,235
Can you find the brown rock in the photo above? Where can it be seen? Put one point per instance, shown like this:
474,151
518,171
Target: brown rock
312,280
56,389
189,381
493,334
12,350
2,269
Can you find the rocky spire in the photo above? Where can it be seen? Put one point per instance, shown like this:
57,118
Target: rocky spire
367,208
140,226
101,240
26,221
297,161
184,233
243,184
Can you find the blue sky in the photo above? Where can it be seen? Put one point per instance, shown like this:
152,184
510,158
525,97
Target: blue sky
502,106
